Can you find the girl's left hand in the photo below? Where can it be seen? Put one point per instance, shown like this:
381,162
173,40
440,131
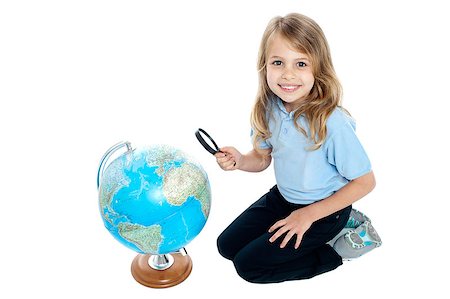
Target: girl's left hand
297,223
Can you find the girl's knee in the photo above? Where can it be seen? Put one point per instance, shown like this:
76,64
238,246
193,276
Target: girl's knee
247,272
224,247
246,268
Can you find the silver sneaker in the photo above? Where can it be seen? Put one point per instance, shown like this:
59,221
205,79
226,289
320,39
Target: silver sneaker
357,242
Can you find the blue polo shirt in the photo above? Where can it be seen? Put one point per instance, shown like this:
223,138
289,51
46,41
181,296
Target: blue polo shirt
304,176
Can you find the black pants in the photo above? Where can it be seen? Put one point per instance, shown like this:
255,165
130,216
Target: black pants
246,242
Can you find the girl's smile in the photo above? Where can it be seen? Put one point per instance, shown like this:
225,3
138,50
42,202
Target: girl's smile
289,88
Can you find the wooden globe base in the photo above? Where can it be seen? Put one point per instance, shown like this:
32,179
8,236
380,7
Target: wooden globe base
149,277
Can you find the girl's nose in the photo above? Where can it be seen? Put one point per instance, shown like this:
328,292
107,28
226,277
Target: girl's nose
288,74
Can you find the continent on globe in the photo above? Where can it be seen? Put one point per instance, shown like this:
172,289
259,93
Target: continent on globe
146,238
184,181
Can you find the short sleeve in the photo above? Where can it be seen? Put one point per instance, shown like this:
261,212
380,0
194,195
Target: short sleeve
346,153
262,144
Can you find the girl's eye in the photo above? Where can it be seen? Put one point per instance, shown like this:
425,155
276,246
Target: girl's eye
301,64
277,62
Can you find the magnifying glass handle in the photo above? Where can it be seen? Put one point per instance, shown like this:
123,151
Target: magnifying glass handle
219,151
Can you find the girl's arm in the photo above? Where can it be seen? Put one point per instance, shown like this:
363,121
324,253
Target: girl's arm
353,191
299,221
230,158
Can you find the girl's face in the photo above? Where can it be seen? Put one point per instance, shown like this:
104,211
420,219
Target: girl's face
289,73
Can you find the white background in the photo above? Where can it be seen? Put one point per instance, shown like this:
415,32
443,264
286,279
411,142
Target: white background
78,76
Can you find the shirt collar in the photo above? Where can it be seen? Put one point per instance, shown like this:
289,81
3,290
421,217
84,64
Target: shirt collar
285,114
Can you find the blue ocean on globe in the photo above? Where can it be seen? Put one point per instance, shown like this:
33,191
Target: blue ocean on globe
154,200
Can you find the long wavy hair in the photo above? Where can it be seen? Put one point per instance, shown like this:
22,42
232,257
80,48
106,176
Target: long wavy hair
304,35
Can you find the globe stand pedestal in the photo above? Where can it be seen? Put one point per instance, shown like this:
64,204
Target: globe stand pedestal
161,271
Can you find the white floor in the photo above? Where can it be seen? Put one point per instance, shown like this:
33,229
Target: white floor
77,77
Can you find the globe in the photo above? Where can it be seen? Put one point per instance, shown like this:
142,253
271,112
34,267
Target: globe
154,200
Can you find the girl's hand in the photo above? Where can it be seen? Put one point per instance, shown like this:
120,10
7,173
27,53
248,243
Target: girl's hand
297,223
228,158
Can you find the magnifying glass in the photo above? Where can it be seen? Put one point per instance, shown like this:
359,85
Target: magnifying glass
208,143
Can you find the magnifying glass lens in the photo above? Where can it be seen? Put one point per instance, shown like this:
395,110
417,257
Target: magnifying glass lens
208,140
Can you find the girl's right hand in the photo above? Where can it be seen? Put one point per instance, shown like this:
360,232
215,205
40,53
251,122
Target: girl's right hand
228,158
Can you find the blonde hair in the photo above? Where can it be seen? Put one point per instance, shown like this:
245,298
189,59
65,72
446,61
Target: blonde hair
306,37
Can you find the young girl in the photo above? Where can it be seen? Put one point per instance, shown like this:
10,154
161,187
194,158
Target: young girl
320,165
